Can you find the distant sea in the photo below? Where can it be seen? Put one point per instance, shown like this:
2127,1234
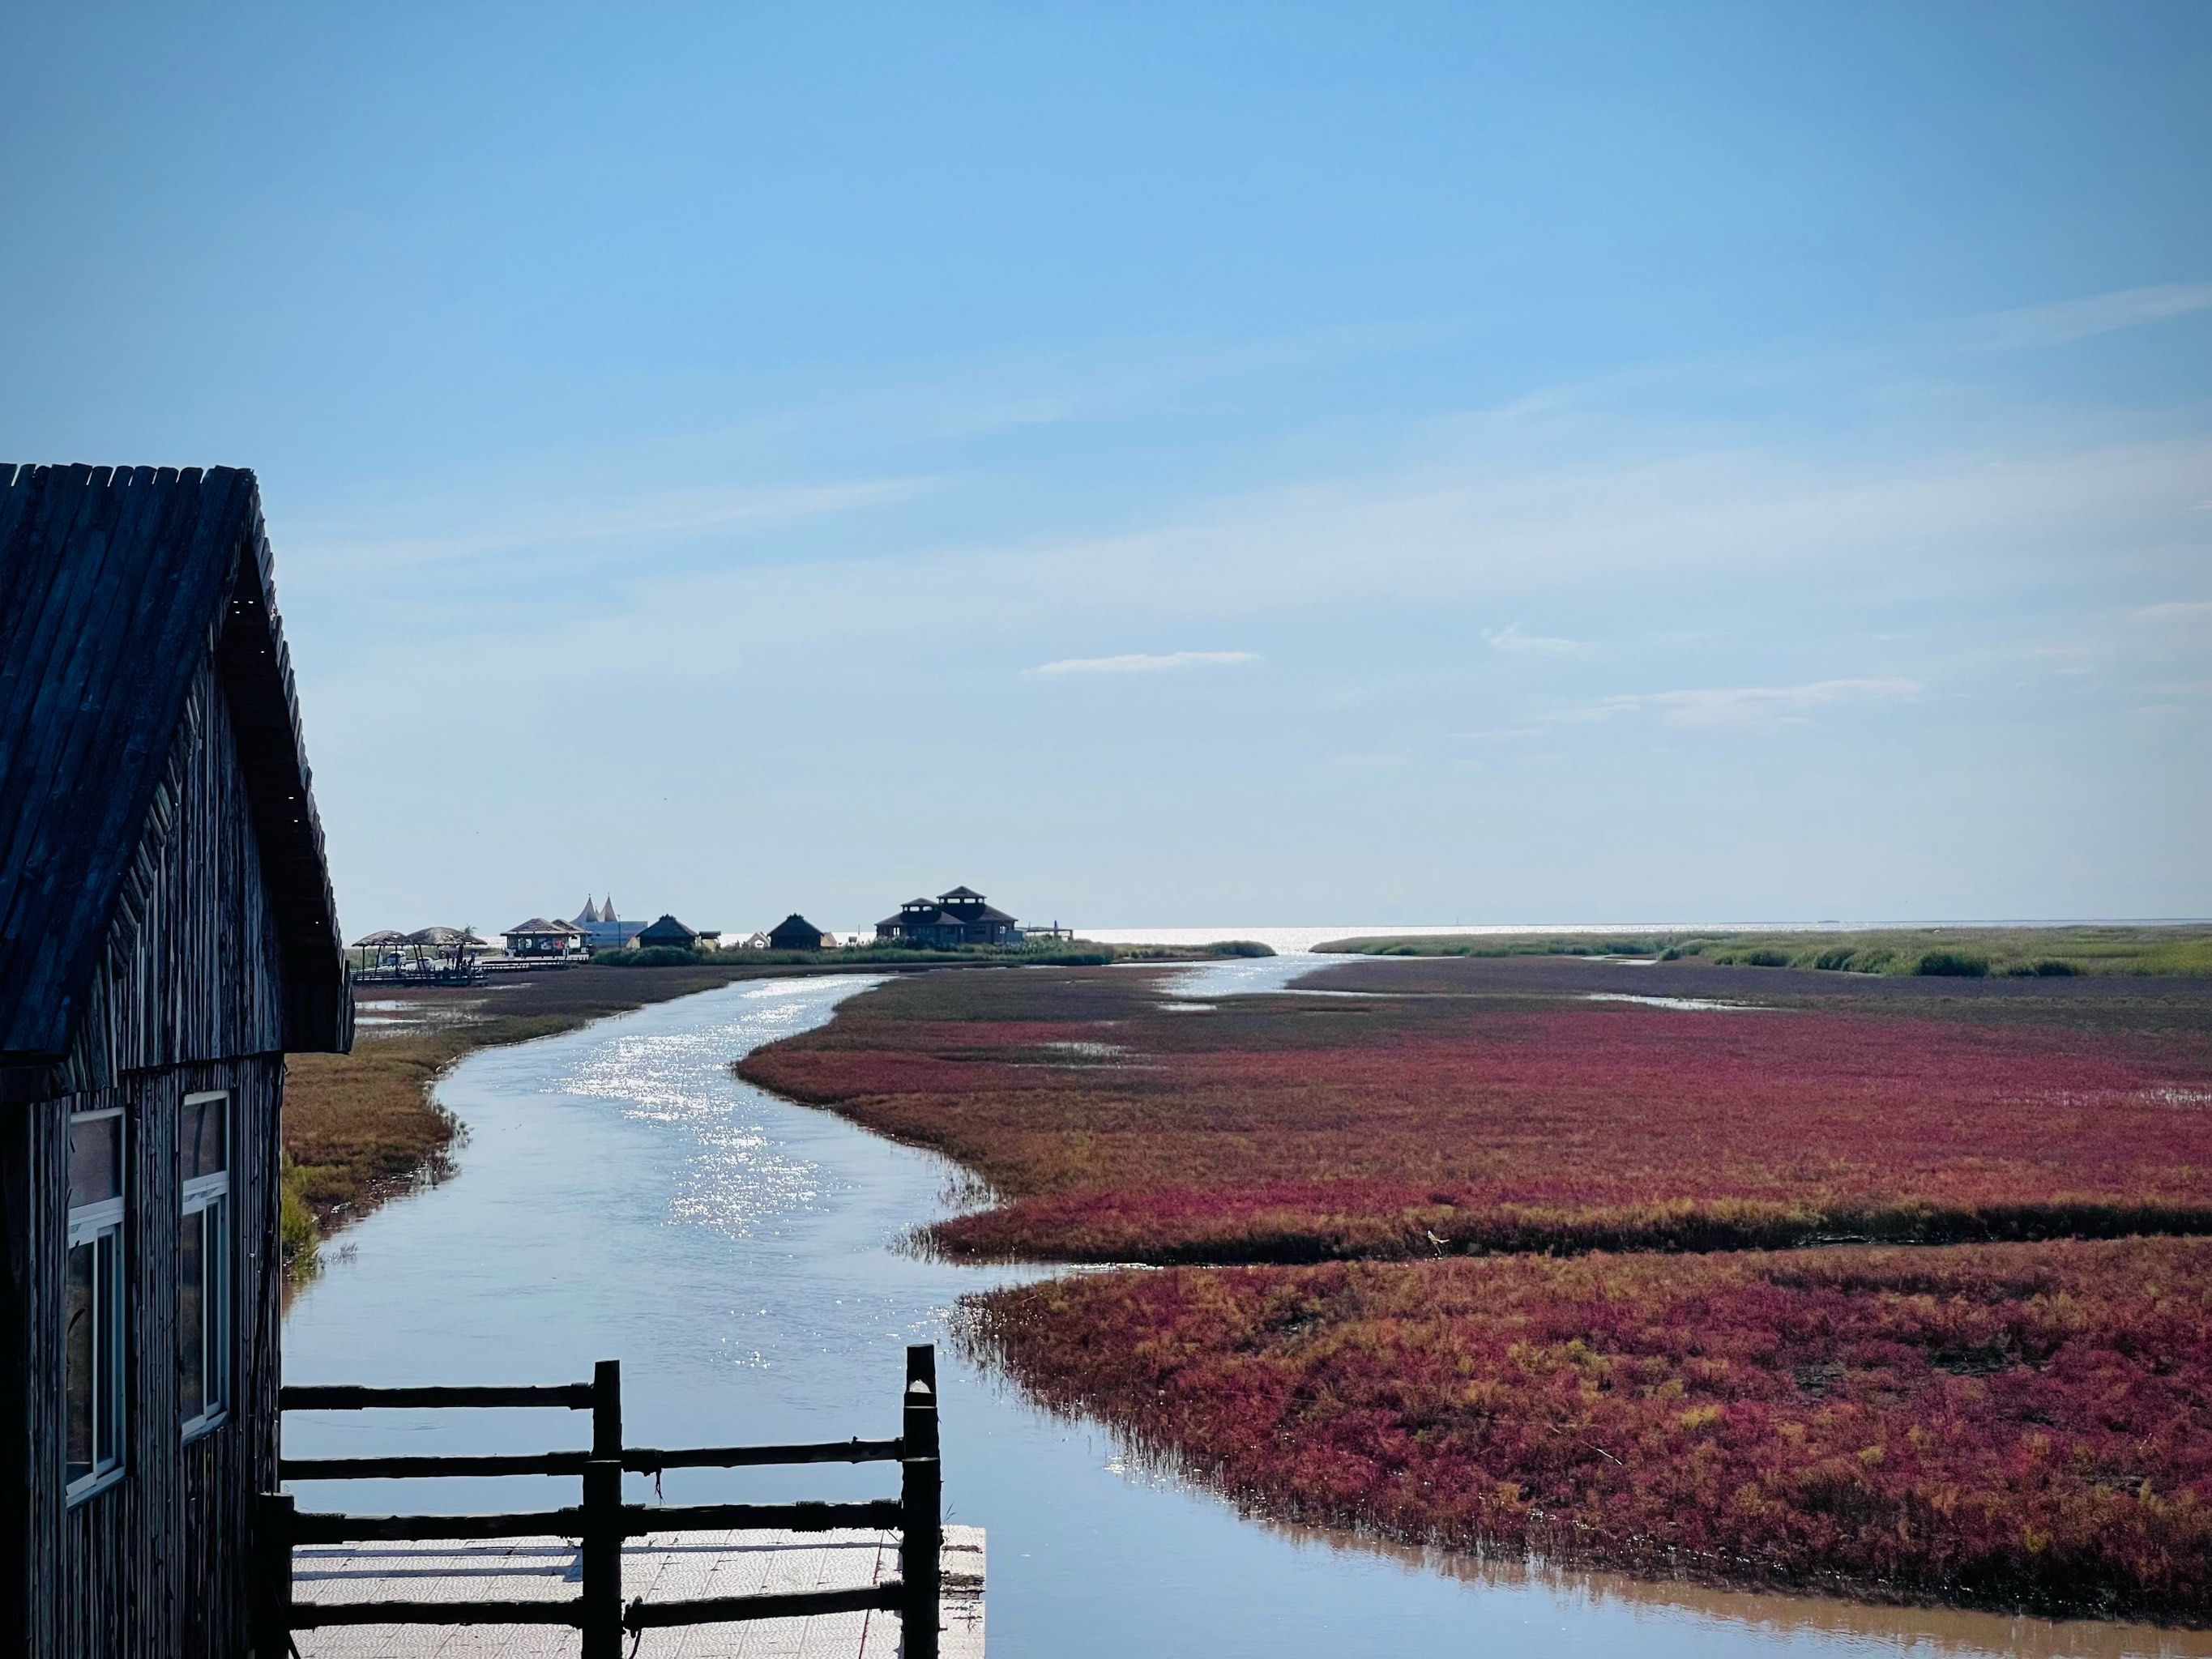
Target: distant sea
1304,939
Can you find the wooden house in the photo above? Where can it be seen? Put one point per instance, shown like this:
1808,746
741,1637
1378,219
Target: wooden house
795,932
166,933
670,934
962,916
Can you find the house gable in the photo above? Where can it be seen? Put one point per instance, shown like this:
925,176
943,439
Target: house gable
126,589
194,969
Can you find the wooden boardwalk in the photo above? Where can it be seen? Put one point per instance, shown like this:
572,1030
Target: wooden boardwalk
656,1567
861,1580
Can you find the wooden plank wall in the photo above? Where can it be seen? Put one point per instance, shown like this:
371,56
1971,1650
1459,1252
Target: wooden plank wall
152,1566
193,969
188,998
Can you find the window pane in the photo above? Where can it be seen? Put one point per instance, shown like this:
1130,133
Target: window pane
191,1339
107,1355
95,1159
201,1137
218,1305
81,1317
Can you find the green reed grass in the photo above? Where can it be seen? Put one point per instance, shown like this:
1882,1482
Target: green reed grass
2178,948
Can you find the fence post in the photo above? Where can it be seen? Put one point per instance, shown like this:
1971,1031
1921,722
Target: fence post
920,1506
271,1591
606,1410
921,1367
602,1562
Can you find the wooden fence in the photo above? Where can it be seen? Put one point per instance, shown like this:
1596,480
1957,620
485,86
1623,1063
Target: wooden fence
603,1521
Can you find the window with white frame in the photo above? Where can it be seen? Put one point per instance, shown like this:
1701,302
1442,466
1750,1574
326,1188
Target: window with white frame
204,1260
92,1304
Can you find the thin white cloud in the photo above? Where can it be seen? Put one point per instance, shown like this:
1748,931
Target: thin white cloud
1736,707
1749,705
2177,610
1510,638
1142,664
2068,321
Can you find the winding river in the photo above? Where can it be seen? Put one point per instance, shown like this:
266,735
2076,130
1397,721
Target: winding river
622,1195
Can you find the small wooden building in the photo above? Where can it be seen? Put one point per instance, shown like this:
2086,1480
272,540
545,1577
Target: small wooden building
795,932
670,934
166,933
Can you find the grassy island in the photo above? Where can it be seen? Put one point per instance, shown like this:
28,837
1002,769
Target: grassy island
1963,952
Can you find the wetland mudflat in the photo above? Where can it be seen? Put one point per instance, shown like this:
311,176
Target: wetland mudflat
620,1193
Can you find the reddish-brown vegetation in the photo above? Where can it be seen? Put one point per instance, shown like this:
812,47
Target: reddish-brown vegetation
1491,1109
2022,1425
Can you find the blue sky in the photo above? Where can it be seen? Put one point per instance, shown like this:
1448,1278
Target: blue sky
1274,465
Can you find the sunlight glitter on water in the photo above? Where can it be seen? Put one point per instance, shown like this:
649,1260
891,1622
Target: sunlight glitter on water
737,1178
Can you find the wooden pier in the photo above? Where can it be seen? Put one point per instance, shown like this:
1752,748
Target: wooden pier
606,1579
658,1569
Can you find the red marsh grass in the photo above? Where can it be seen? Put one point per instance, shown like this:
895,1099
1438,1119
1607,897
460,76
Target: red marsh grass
2024,1426
1488,1108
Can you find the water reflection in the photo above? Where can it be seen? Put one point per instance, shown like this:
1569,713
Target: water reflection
1839,1627
622,1194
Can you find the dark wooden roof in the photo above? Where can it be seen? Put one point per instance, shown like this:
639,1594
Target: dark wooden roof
959,894
116,583
794,924
668,928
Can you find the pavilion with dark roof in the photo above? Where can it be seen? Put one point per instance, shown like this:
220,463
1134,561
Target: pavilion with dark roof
542,936
962,916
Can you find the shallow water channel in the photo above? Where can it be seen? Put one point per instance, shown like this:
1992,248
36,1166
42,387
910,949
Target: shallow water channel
621,1194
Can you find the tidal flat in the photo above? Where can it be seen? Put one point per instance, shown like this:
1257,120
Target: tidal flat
1369,1324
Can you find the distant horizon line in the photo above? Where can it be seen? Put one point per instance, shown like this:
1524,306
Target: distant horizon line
1196,933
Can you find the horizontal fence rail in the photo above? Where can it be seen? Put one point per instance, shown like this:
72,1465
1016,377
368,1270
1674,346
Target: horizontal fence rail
310,1527
602,1522
644,1460
428,1468
634,1460
348,1397
879,1515
790,1604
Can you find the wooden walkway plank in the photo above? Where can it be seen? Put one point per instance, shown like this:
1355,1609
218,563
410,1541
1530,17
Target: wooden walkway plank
658,1567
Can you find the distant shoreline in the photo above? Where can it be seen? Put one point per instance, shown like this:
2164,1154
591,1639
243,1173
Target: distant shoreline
1271,934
